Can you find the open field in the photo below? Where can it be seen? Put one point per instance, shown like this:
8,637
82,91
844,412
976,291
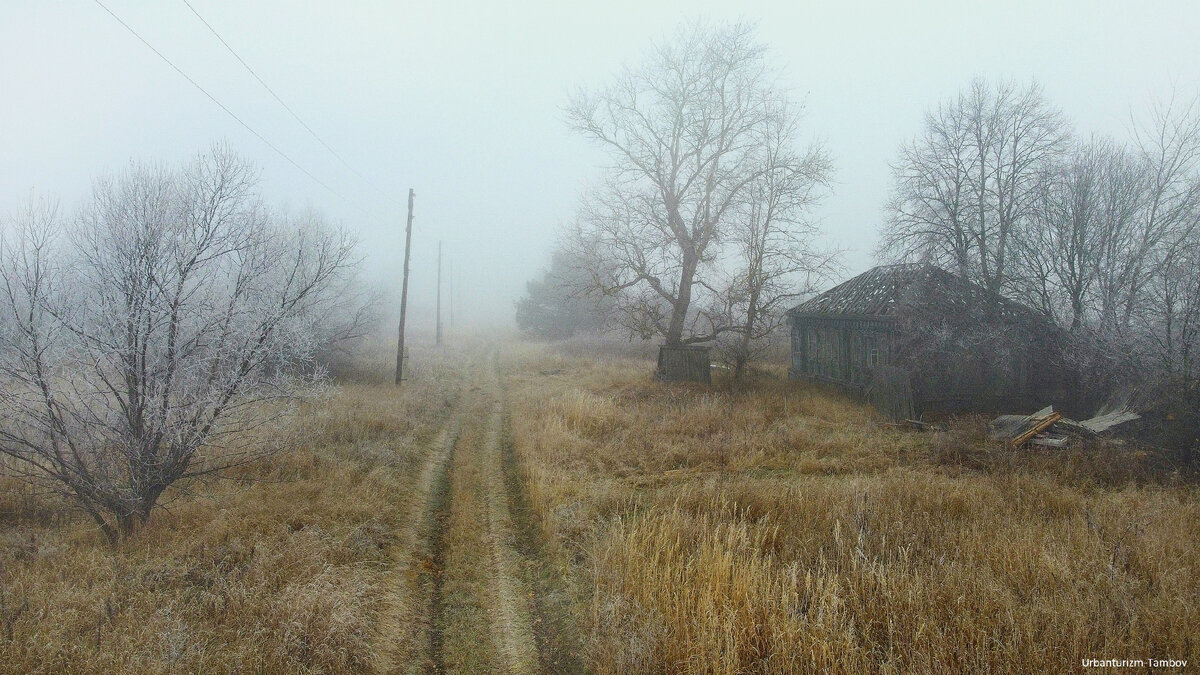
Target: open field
523,509
788,530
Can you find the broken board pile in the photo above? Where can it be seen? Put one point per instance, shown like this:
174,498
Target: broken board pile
1050,429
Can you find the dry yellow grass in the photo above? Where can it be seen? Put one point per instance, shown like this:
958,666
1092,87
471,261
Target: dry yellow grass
787,529
281,571
683,529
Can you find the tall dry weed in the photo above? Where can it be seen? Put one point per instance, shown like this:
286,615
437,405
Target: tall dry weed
278,570
784,529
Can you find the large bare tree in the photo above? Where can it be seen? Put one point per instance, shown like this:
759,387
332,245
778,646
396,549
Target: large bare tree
1168,145
685,134
966,185
143,340
1111,222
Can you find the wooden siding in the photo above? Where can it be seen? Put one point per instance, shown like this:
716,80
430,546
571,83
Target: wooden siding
864,356
684,364
845,351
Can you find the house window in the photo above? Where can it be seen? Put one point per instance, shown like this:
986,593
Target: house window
873,358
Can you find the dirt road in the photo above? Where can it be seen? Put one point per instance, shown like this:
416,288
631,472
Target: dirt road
469,587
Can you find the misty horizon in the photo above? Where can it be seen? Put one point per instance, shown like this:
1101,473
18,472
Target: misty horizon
466,106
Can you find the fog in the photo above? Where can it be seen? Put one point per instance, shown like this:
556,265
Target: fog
463,102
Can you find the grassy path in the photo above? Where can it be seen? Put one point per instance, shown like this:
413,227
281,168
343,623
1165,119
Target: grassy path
468,593
407,639
514,629
484,618
554,632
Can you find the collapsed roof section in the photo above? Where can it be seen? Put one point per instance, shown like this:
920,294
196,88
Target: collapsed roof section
882,291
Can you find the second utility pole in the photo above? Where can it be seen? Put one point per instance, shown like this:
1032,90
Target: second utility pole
404,290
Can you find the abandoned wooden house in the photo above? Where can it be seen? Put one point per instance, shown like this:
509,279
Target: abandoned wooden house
914,338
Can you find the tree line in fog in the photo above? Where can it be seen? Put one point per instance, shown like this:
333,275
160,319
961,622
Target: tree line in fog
700,229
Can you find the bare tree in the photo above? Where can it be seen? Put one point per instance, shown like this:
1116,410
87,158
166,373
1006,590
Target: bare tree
684,132
1169,219
1103,251
965,186
1163,311
1177,290
777,257
1175,295
1079,237
1077,241
144,340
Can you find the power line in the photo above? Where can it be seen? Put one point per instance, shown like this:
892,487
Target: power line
212,98
281,102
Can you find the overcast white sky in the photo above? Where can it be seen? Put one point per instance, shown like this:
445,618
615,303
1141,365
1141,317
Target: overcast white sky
463,102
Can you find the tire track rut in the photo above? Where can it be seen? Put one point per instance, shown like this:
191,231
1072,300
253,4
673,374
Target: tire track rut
514,630
472,573
409,616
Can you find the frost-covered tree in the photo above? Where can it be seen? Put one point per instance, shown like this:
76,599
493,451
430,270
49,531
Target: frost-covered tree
775,255
145,337
557,304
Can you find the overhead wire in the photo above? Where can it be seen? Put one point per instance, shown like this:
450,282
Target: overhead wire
221,105
281,102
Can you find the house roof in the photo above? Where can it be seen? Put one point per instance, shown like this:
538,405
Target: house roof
882,291
875,292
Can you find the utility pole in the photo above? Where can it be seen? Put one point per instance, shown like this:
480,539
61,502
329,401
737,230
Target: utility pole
439,295
404,290
450,273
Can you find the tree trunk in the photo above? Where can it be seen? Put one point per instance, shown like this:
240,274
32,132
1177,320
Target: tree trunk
739,366
679,309
127,525
742,357
110,532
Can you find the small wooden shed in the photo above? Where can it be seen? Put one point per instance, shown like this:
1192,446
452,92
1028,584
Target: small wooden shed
684,363
914,337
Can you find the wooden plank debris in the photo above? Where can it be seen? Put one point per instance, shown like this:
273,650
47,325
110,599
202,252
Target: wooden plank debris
1012,427
1073,428
1038,422
1103,423
1007,426
1049,441
1048,428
